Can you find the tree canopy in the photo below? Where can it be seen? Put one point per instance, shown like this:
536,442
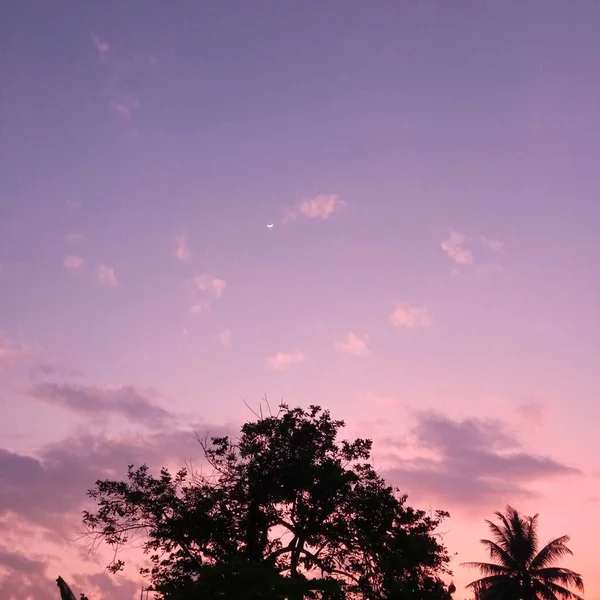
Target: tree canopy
521,570
287,511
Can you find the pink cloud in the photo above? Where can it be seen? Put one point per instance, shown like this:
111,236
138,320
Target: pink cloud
409,316
352,345
321,206
102,47
210,284
469,462
454,247
182,251
224,337
495,245
11,353
282,361
72,262
532,411
106,275
123,111
74,238
205,288
102,400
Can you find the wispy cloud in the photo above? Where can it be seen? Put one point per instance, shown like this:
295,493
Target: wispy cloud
224,337
182,251
405,315
282,361
49,489
25,576
210,284
12,353
495,245
205,289
352,345
94,400
106,275
74,238
457,247
102,47
125,109
479,272
72,262
44,369
321,206
454,246
532,411
477,462
73,205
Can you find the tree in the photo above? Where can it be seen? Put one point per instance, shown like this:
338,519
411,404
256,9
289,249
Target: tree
286,512
520,572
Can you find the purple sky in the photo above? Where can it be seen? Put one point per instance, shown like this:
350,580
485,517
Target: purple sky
431,275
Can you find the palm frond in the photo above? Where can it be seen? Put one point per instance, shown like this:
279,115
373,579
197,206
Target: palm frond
564,576
550,552
532,533
542,591
499,536
563,592
507,530
499,554
486,582
488,568
500,587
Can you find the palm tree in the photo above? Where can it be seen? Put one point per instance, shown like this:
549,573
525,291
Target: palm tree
520,572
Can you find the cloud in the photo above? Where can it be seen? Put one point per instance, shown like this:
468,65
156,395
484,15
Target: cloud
474,462
205,288
224,337
102,47
93,400
210,285
107,586
125,110
495,245
353,345
454,247
72,262
74,238
73,205
405,315
44,368
106,275
25,577
11,353
182,252
48,489
42,496
321,206
531,410
283,360
16,561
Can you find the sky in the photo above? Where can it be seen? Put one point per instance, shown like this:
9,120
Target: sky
430,276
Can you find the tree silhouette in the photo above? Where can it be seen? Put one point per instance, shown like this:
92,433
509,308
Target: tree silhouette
286,512
520,572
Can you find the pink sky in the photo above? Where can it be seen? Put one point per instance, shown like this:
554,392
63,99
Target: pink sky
429,169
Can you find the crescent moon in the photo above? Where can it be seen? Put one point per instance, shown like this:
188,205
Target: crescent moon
270,225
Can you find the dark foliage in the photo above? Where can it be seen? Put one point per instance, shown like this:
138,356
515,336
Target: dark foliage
286,512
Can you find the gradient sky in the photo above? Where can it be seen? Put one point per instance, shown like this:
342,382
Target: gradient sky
430,168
